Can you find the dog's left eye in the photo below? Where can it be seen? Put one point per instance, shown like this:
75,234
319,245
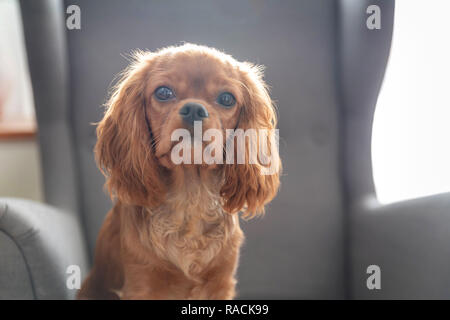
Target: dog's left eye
226,99
164,93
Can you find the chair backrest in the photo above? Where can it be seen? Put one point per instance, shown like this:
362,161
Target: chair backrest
297,249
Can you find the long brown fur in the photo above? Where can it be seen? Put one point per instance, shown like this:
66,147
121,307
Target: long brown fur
173,232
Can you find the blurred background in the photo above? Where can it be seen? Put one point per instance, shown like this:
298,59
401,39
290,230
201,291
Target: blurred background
364,125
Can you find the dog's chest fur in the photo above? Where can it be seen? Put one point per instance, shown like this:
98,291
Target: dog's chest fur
191,228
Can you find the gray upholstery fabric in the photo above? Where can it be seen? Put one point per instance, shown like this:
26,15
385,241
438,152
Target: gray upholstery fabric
410,242
15,282
37,244
362,56
44,29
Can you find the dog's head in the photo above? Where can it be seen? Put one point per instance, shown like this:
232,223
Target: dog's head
167,95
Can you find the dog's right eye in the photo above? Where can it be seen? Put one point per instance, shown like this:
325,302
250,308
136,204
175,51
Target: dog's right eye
164,93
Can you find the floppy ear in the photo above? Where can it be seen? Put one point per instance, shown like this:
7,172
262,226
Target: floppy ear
249,186
124,151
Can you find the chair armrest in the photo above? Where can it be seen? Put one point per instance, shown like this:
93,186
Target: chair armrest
409,240
37,244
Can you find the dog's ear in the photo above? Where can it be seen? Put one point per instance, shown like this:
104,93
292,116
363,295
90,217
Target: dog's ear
124,150
252,184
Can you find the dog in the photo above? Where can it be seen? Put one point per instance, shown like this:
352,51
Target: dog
174,232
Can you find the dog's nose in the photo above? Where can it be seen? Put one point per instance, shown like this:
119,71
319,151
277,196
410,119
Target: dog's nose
192,111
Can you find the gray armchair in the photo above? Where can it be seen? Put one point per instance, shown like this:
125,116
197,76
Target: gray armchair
325,69
37,245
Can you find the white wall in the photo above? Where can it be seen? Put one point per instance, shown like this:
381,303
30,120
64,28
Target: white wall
20,174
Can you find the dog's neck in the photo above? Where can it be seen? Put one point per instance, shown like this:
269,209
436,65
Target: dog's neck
191,220
194,184
194,197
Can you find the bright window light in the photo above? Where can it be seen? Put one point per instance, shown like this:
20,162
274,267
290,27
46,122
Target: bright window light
411,131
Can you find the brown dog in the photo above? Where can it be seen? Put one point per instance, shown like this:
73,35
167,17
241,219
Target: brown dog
173,232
